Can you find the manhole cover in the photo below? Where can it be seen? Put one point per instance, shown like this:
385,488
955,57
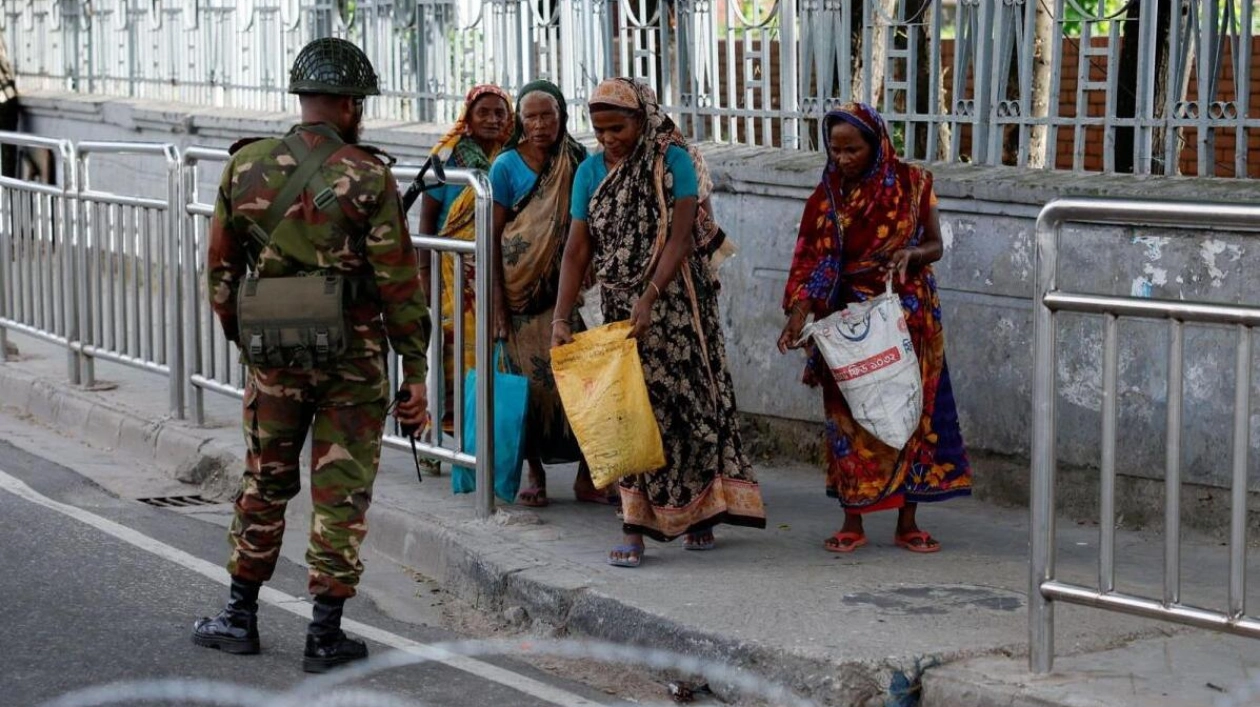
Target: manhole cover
928,599
178,501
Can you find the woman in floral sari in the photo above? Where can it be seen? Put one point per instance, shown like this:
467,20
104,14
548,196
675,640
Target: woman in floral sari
871,218
634,217
533,181
448,211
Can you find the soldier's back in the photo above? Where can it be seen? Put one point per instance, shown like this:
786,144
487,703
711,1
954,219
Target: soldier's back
305,239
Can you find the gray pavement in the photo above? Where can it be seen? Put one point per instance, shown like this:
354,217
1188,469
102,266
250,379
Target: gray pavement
99,608
833,627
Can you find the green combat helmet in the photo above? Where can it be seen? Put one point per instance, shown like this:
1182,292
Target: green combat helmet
333,66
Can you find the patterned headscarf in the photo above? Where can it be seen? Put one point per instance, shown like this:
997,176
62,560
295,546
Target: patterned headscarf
848,235
848,232
619,93
564,139
878,184
467,153
633,205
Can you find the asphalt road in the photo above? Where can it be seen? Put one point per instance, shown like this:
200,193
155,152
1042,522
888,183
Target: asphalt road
99,589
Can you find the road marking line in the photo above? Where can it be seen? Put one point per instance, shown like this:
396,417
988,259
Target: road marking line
299,606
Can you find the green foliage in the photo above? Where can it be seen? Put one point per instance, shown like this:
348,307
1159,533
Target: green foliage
898,134
1074,20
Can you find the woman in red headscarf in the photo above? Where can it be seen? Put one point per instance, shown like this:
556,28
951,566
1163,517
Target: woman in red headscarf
873,217
448,211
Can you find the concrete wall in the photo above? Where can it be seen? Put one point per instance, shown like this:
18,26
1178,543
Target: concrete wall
986,276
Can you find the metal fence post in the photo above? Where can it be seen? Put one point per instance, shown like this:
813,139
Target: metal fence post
172,247
83,302
986,65
1041,503
487,253
193,397
789,98
72,233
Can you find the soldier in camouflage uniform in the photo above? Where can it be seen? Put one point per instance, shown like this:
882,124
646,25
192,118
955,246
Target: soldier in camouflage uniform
343,404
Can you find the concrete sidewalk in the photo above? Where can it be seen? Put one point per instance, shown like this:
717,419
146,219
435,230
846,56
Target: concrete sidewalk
833,627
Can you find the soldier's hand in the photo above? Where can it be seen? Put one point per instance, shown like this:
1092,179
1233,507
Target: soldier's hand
415,410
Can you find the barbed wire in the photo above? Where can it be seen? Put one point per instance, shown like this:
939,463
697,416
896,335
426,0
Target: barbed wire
332,689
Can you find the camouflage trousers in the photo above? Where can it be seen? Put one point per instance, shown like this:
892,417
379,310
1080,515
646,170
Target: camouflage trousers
344,410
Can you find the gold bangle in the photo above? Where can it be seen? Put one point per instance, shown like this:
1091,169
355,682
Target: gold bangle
658,290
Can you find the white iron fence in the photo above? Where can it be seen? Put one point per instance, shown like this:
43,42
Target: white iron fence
1144,86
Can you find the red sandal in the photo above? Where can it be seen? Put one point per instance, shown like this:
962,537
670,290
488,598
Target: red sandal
844,541
917,541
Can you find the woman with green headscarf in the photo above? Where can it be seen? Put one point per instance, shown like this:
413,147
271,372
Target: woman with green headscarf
532,180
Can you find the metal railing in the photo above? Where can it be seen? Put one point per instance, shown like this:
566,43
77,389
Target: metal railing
38,286
1045,588
213,360
1145,86
129,268
121,277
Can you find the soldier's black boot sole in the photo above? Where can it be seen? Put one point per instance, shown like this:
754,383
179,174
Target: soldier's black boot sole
325,653
236,646
223,633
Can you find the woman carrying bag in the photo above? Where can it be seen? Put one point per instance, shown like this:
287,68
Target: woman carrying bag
634,218
871,218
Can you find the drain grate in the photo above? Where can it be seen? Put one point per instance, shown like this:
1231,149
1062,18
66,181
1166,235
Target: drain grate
178,501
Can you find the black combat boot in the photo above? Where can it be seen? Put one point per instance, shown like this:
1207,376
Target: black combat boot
235,629
327,646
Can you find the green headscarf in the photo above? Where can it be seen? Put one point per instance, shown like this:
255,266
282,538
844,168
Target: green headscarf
564,140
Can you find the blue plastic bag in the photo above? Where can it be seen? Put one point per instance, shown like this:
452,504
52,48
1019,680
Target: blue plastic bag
511,401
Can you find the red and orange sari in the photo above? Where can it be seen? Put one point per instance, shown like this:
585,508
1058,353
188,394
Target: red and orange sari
845,240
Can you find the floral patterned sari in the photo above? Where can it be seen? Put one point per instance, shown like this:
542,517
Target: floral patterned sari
845,240
707,479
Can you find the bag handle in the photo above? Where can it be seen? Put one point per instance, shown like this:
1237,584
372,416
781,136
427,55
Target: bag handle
809,329
502,362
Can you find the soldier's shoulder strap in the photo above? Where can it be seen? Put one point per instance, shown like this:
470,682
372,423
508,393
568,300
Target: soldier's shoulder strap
325,198
307,172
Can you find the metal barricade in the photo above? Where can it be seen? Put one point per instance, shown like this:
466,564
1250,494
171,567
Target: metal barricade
1045,588
483,249
38,290
128,249
212,359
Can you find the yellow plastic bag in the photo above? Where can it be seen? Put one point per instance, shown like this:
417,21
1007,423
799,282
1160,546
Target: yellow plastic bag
600,380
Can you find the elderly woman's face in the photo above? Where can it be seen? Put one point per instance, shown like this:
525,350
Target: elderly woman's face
540,116
617,131
487,118
849,150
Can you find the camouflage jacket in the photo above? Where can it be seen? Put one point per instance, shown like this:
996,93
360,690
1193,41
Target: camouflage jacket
307,241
